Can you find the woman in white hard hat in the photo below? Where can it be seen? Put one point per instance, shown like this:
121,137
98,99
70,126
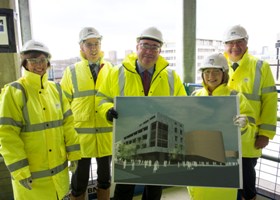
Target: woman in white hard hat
36,130
214,73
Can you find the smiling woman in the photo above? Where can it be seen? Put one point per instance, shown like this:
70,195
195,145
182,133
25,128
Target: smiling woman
35,57
35,118
37,65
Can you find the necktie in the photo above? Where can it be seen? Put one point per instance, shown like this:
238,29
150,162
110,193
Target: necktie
93,72
234,66
146,79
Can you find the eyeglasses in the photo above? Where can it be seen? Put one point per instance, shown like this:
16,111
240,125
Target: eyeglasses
237,42
92,45
146,46
37,61
214,72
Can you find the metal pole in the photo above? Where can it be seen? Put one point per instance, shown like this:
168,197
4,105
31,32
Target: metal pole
189,40
277,57
25,21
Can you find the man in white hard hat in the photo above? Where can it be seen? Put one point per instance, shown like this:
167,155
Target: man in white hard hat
80,83
144,73
252,77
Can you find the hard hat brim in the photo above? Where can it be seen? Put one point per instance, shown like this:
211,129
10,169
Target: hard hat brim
235,38
90,37
211,66
39,50
149,38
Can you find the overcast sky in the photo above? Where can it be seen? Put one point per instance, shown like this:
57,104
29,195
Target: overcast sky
57,23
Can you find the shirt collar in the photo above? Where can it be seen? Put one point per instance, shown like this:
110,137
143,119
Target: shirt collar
141,69
95,64
231,63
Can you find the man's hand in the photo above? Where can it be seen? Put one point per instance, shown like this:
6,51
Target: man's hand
261,142
240,120
26,183
73,166
112,113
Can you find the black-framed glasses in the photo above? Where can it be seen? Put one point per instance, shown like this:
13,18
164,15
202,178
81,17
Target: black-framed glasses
37,61
146,46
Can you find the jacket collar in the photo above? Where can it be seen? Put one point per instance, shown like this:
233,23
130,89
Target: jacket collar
35,80
84,60
241,61
218,91
129,63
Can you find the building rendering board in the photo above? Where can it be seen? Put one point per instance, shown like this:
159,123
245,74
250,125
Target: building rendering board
178,141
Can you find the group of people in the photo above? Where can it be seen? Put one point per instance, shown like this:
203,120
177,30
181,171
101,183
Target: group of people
44,125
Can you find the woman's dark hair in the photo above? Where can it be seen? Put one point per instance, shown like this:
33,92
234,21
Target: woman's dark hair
225,77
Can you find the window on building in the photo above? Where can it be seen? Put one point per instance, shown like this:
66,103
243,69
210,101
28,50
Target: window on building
153,134
162,140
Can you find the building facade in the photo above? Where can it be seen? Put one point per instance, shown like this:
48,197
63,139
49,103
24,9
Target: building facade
157,138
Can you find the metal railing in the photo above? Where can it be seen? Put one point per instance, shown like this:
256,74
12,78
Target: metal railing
268,169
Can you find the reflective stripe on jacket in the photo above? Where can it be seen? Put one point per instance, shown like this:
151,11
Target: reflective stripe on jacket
254,79
124,80
248,133
37,135
95,133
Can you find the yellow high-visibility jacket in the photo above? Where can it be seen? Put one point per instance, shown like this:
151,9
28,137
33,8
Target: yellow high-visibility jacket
37,136
124,80
254,79
247,135
205,193
95,133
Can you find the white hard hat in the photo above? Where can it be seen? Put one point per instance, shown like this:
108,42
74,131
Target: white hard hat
236,32
216,60
151,33
33,45
87,33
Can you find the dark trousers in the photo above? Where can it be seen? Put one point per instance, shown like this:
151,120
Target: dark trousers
80,178
126,192
249,179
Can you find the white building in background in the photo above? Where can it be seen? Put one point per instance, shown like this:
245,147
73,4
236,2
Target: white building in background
168,51
204,47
